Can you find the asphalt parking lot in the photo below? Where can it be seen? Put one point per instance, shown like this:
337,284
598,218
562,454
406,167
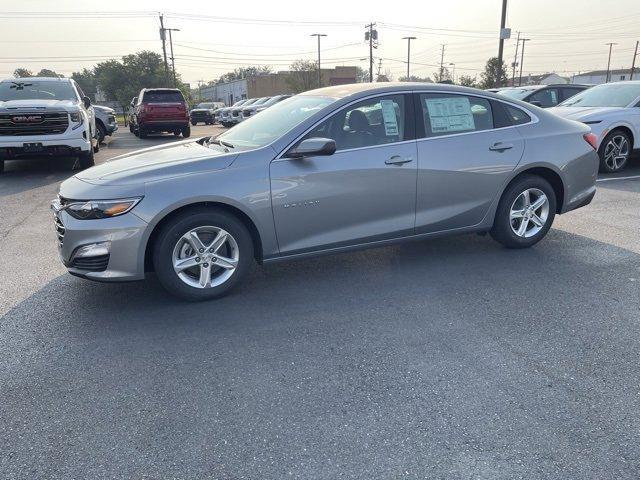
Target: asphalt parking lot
448,359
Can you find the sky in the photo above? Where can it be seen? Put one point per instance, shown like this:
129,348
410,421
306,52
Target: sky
566,36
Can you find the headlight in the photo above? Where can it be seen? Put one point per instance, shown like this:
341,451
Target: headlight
96,209
76,119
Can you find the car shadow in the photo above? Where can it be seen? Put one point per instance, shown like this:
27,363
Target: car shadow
23,175
447,343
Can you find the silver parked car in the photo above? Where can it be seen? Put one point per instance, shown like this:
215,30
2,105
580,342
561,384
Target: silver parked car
325,171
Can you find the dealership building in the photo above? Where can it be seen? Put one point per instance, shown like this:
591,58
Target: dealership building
269,84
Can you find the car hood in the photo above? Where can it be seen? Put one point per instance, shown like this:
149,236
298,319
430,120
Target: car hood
41,105
201,110
104,109
584,113
156,163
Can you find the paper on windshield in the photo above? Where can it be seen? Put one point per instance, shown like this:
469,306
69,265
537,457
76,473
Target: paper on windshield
389,118
451,114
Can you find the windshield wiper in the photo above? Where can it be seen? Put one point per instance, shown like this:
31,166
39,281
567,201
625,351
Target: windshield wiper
222,142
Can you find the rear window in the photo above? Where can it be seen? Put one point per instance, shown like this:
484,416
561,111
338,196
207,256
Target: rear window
163,96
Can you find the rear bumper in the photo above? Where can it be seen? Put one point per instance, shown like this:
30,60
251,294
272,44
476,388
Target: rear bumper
163,124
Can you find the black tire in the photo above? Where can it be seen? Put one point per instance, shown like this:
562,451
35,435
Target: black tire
86,159
612,165
142,133
503,229
177,132
131,129
101,133
1,166
96,146
186,131
171,234
194,123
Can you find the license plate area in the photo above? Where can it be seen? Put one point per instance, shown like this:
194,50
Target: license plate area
32,147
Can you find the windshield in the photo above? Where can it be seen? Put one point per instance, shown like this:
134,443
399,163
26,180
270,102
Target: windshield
162,96
271,124
23,89
517,93
205,105
605,95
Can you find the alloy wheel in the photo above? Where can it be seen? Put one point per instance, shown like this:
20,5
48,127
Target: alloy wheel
205,257
529,213
616,152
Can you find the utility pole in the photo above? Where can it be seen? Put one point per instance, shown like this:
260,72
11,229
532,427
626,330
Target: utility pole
442,63
319,73
524,40
164,49
173,63
371,35
453,72
503,21
408,39
379,68
515,63
611,44
633,64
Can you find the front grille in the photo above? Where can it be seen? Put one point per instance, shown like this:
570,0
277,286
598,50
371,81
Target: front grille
91,264
235,113
14,124
59,229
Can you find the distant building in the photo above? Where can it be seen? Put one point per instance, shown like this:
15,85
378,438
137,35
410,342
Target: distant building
268,84
544,79
597,77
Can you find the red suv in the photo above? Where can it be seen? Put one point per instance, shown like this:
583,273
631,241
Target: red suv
161,110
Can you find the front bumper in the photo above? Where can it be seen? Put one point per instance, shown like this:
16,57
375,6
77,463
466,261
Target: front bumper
122,234
52,145
111,127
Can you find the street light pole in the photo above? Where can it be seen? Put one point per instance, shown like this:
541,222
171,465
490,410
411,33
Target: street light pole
408,39
524,40
611,44
319,73
503,21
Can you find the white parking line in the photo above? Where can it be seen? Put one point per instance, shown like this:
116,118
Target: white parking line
617,178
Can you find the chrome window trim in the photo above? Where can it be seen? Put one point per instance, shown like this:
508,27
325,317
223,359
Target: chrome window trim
534,119
375,95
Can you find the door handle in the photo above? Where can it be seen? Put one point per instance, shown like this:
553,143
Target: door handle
398,160
500,147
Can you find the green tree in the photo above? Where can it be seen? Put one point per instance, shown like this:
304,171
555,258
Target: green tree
442,75
45,72
415,78
303,75
362,75
22,73
243,72
489,78
87,81
468,81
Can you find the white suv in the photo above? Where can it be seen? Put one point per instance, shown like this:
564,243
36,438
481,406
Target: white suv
45,117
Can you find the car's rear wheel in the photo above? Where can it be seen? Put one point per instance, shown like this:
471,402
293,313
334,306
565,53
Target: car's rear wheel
202,254
186,131
194,123
614,151
525,212
142,133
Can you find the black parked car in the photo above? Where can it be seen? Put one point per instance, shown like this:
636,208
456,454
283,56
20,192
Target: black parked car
205,113
544,96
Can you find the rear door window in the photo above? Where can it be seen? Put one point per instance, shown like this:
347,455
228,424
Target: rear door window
547,97
448,114
568,92
163,96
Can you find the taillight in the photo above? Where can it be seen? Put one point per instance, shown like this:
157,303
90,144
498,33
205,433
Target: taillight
591,139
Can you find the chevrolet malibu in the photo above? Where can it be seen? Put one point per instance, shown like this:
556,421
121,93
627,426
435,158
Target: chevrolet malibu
325,171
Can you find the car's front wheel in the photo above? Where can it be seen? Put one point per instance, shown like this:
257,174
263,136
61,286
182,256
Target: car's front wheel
101,133
202,254
614,151
186,131
525,212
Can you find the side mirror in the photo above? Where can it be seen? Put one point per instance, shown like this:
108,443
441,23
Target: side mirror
536,103
86,101
313,147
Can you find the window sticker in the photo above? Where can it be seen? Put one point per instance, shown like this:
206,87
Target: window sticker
389,118
450,114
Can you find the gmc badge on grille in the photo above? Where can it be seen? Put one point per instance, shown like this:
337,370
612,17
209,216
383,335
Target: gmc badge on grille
26,119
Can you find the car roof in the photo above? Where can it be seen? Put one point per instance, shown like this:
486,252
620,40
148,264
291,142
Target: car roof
38,79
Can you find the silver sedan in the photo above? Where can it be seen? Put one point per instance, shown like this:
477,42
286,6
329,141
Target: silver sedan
325,171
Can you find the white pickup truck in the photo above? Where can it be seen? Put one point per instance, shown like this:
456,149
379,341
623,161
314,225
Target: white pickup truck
49,117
